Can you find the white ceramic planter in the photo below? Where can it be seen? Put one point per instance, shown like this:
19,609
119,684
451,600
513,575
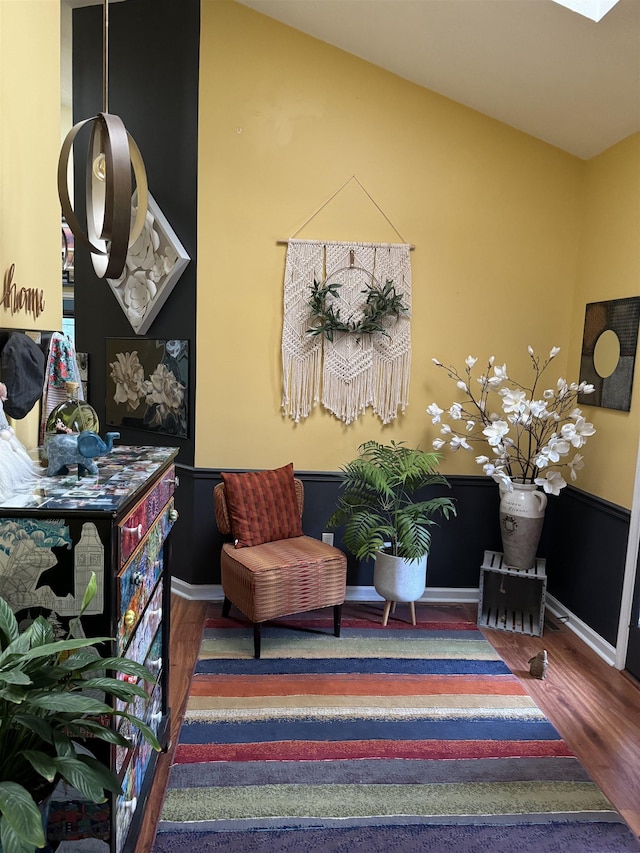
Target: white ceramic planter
397,579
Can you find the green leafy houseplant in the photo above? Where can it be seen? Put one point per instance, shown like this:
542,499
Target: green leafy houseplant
54,693
377,503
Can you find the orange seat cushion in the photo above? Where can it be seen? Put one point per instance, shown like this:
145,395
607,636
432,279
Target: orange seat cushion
283,577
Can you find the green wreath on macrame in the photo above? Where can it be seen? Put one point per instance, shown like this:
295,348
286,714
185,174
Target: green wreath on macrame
382,301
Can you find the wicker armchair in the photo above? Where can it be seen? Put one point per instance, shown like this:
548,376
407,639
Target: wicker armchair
279,578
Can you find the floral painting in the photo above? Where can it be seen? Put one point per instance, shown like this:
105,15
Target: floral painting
147,385
154,263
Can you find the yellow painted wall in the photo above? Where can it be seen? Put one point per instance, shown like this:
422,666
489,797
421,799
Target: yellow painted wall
29,146
609,268
494,215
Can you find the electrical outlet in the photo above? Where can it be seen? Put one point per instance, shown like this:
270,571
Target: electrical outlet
328,538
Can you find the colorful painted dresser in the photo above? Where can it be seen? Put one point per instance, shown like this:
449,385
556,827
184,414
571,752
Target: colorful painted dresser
115,524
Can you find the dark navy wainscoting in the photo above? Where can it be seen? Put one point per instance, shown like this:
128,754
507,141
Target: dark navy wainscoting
586,554
457,544
584,541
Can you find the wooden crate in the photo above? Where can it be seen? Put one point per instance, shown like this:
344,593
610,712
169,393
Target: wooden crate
512,599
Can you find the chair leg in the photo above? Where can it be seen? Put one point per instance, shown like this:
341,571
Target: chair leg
226,606
337,619
256,640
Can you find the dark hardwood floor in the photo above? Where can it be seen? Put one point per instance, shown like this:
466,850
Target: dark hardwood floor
595,708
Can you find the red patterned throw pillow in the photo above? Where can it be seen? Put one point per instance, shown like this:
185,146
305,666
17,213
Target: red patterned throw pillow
263,506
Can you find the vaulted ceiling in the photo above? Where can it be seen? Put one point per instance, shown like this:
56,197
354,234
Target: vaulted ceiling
533,64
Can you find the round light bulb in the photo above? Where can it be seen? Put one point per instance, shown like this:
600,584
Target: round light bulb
100,167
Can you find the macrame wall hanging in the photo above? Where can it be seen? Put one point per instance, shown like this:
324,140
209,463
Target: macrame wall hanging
346,334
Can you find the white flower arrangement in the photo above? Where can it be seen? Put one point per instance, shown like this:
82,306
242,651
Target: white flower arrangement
533,435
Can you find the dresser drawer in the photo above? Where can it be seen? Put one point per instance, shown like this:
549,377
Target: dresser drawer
134,527
147,629
146,645
153,662
149,710
139,577
127,802
146,648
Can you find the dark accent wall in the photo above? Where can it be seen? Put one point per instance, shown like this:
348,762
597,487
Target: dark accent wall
153,88
457,545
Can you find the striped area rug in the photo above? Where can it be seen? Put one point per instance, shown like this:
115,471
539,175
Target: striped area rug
386,739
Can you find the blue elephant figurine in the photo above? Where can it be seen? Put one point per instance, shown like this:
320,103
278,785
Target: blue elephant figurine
79,448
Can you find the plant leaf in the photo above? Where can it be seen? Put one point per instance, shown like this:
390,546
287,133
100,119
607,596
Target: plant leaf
115,687
18,646
8,624
14,676
105,777
41,762
83,660
97,730
82,777
71,703
146,731
62,744
35,724
10,841
89,593
13,693
22,815
40,632
128,667
54,649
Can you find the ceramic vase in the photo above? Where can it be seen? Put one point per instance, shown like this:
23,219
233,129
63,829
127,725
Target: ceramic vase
521,519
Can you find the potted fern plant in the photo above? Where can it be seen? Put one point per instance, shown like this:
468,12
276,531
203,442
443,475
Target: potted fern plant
383,519
54,694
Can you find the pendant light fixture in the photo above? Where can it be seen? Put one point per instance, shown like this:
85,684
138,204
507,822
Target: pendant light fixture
112,154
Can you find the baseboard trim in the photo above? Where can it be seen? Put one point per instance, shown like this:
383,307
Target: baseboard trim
588,636
197,592
433,595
